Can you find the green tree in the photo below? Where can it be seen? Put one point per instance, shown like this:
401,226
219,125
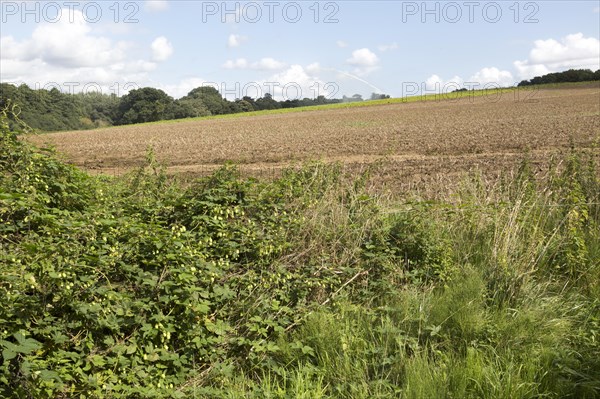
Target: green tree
571,75
145,105
250,101
378,96
193,107
47,110
211,98
100,108
267,102
244,106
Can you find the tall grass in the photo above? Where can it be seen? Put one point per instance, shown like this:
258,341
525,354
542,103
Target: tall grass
490,294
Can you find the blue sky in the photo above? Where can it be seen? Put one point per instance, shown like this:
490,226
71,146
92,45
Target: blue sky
293,49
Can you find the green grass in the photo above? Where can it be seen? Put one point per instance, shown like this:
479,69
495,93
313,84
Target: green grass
508,318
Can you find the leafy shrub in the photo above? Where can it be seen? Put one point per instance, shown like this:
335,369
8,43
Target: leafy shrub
301,287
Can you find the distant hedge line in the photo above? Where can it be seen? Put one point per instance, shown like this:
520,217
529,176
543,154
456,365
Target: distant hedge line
572,75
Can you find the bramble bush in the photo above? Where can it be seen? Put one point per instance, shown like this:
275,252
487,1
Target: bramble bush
124,288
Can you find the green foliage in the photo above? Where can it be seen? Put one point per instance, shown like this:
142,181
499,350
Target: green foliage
51,110
267,102
145,284
578,197
420,246
144,105
210,97
193,108
572,75
308,286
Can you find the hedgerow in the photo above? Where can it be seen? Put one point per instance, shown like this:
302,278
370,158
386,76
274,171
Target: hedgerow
307,286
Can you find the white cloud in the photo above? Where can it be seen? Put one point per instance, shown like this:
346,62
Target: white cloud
546,56
341,44
387,47
162,49
571,48
479,80
182,87
456,80
264,64
364,61
363,57
527,71
53,42
438,85
235,40
596,10
313,68
72,56
492,75
433,82
571,51
11,49
296,82
156,5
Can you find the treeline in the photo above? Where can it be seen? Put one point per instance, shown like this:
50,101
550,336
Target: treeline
572,75
52,110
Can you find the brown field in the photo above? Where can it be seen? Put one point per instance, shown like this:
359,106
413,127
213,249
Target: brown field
417,143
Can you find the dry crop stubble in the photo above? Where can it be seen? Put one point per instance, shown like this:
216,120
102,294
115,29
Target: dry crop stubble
420,142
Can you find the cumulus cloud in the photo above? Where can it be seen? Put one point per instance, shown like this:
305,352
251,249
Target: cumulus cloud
264,64
313,68
438,85
433,82
235,40
364,61
492,75
53,42
571,51
156,5
363,57
296,82
183,87
162,49
293,82
485,77
73,56
341,44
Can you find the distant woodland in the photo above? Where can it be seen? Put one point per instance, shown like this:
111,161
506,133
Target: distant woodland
53,110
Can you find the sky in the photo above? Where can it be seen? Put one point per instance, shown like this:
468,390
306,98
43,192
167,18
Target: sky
293,49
